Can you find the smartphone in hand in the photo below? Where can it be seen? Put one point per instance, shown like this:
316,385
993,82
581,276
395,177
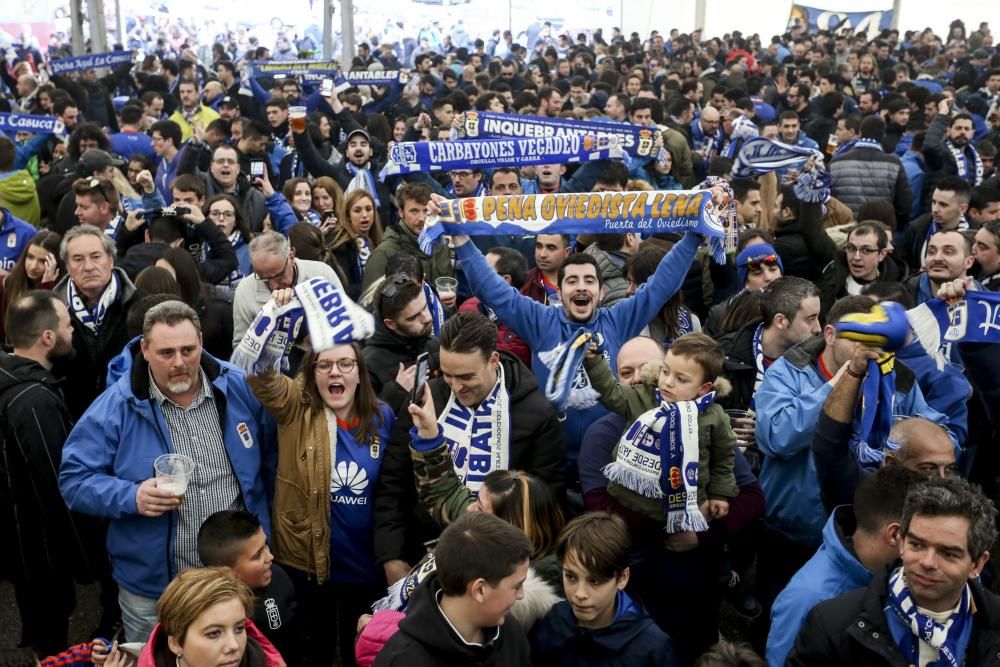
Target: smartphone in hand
417,395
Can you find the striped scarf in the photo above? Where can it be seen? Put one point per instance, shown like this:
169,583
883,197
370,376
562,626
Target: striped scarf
92,319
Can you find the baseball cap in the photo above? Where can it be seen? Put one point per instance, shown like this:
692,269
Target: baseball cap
228,101
95,159
364,134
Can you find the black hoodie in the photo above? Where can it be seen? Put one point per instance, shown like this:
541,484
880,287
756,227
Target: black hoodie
426,637
384,352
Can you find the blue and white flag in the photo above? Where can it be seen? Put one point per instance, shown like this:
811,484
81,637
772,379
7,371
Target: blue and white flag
635,140
576,213
90,61
974,319
407,157
363,77
20,122
309,68
759,155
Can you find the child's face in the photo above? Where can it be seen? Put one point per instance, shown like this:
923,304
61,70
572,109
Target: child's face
682,379
253,567
592,601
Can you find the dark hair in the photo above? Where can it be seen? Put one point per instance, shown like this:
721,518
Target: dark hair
222,536
17,282
417,192
165,229
956,184
741,188
189,183
469,332
366,401
169,130
137,312
615,173
848,305
503,170
188,276
389,307
639,268
730,654
879,498
511,263
18,657
852,122
784,296
743,309
888,291
953,496
873,127
529,503
578,258
131,114
29,316
599,541
879,210
957,117
871,227
97,190
478,546
241,221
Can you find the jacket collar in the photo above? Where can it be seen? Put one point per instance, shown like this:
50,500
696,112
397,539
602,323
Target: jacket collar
140,373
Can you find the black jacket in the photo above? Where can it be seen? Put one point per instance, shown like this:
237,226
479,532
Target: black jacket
536,446
219,262
384,352
851,629
739,368
804,247
87,372
911,244
833,282
425,637
317,166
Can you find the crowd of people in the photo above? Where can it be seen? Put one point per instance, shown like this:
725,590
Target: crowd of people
575,448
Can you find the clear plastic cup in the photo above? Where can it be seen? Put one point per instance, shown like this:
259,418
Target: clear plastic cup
173,472
445,286
297,118
740,419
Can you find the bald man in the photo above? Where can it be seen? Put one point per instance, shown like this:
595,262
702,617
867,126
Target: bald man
923,446
706,139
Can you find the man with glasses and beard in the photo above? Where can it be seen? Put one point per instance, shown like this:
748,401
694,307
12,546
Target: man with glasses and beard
34,424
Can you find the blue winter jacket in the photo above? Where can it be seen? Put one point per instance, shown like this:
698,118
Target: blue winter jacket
833,570
788,403
110,452
544,327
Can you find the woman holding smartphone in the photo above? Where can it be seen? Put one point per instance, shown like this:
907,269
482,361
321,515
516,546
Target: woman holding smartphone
332,435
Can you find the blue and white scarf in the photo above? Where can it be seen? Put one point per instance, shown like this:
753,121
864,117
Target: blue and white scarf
592,212
873,418
435,307
407,157
759,155
869,144
12,123
565,363
759,361
399,594
844,147
635,140
974,319
363,180
313,217
364,252
92,319
949,638
478,439
658,458
744,129
90,61
934,228
331,317
962,162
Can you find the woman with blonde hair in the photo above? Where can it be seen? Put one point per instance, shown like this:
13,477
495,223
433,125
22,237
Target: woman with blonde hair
204,621
355,239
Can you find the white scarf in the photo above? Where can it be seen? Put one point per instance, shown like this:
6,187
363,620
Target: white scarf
479,440
92,318
364,252
331,429
963,170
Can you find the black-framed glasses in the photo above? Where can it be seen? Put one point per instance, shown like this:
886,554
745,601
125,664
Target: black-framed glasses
864,251
276,275
391,286
344,365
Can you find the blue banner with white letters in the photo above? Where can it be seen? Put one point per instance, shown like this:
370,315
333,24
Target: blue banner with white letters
12,123
90,61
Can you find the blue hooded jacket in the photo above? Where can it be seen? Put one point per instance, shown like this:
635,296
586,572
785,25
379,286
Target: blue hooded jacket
544,327
110,452
633,638
788,403
833,570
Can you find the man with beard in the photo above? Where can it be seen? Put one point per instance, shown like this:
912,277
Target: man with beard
948,148
986,250
33,517
551,250
949,204
191,111
949,257
171,397
403,329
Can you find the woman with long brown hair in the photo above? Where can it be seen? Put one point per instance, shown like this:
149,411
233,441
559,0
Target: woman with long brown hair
39,267
358,235
332,435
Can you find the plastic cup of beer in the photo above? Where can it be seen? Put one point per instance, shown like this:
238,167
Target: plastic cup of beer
446,286
173,472
297,118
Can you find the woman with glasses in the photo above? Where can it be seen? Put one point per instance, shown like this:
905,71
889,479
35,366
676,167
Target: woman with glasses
227,213
332,435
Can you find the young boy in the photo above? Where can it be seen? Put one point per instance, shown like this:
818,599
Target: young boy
458,615
235,539
598,623
675,462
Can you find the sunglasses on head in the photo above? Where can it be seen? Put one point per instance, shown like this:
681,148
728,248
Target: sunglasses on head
390,288
756,263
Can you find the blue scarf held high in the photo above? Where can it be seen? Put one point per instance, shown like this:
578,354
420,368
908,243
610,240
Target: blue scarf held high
974,319
90,61
950,638
407,157
566,365
635,140
593,212
759,155
658,458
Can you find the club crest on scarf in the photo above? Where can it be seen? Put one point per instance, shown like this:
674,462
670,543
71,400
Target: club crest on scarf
568,385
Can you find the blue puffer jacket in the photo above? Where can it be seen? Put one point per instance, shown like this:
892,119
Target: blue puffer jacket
545,327
833,570
788,404
111,451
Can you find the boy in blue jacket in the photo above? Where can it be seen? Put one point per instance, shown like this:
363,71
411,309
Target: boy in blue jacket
598,623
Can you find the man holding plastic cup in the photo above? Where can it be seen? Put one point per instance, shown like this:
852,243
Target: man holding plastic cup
169,398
